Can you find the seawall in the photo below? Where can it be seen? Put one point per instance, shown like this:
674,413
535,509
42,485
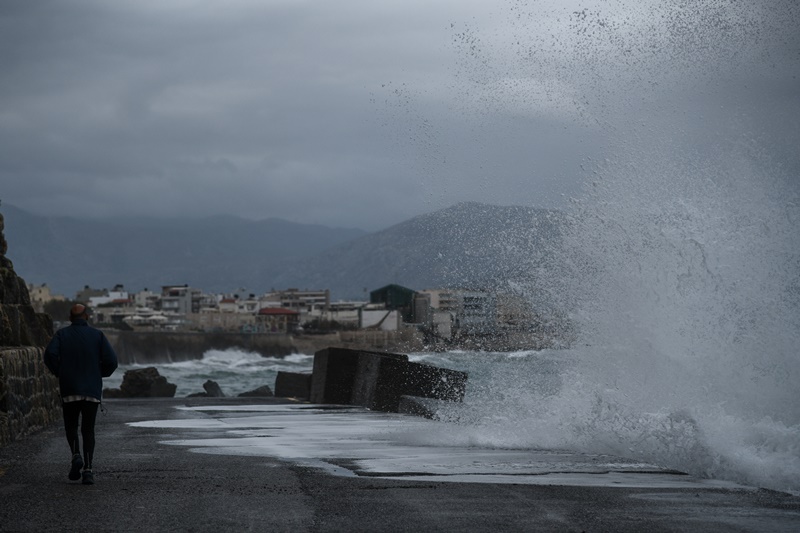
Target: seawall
145,347
29,398
148,347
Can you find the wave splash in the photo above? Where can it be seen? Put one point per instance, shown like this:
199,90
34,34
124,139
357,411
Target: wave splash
573,400
680,263
684,284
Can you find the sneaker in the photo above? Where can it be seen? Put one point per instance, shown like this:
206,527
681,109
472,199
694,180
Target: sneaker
88,477
77,464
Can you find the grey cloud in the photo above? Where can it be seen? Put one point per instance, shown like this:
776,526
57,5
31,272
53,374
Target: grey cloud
362,113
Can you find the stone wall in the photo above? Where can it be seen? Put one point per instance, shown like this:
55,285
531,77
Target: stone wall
29,398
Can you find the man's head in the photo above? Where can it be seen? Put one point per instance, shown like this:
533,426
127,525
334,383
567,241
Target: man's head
79,312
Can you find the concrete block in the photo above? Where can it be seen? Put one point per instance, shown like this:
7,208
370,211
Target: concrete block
428,381
378,380
260,392
293,385
336,371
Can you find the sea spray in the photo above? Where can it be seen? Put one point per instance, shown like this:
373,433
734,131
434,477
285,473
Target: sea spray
679,264
688,301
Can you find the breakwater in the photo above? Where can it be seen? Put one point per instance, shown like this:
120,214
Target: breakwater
148,347
29,398
145,347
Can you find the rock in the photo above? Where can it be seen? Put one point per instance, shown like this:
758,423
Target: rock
142,383
20,324
293,385
261,391
213,390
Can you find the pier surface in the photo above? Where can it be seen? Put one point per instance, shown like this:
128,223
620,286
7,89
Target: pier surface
211,464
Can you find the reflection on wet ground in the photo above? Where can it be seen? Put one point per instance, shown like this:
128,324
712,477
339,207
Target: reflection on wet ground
351,441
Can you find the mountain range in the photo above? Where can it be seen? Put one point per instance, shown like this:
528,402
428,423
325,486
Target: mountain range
469,244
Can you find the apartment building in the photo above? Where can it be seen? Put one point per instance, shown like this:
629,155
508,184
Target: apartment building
117,295
147,298
40,295
181,299
87,292
277,320
306,302
446,312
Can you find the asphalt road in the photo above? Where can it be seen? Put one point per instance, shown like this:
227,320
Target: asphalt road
143,485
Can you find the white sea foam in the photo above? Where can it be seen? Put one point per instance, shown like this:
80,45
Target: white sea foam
569,401
319,438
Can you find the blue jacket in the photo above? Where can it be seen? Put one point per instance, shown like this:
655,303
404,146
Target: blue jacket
80,356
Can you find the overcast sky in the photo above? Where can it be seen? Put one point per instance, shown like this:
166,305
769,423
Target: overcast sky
366,113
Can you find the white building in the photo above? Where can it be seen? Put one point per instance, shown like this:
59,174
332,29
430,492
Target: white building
117,295
305,302
375,317
41,294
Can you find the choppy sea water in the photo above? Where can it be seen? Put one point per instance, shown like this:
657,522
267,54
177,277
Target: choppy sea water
235,371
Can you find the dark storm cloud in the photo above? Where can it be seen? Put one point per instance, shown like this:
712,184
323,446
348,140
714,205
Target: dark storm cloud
352,113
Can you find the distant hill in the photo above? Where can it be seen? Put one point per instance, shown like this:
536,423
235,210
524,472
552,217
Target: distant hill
469,244
216,253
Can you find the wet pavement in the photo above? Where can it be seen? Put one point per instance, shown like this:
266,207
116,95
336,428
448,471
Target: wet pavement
206,464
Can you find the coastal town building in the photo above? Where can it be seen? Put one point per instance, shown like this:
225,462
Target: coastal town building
42,295
277,320
445,316
307,302
477,313
210,321
377,317
117,294
88,292
227,305
345,312
427,313
441,299
395,297
449,312
113,312
147,318
147,298
181,299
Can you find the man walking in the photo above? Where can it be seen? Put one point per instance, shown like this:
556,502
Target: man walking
80,356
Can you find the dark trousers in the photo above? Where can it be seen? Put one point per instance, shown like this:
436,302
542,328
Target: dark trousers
87,412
